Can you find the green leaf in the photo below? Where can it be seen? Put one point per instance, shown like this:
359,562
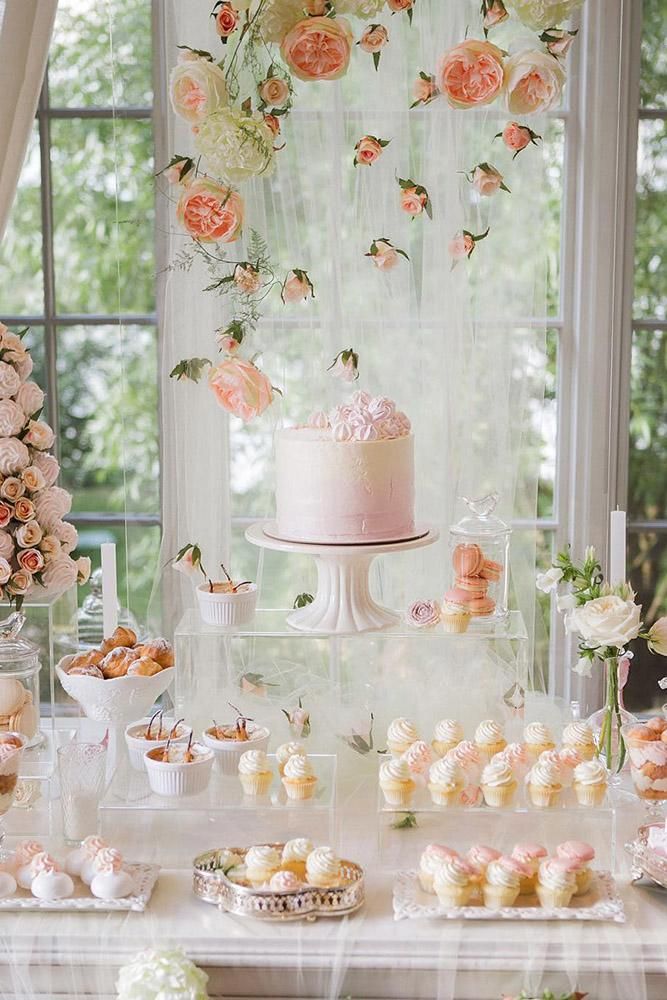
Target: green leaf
190,369
303,600
376,60
409,822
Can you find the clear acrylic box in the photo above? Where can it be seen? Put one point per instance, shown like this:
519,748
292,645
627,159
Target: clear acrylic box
174,830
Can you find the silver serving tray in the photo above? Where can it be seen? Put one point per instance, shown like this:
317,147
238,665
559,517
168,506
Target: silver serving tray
212,885
601,902
145,877
645,862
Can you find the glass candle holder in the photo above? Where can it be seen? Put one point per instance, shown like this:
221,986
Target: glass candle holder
82,774
479,552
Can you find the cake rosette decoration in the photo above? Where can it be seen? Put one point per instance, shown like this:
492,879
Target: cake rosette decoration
363,418
423,614
159,974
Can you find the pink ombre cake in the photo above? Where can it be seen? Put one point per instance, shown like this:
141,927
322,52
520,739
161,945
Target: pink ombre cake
348,476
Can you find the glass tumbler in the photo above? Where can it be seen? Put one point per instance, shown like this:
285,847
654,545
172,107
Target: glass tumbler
82,772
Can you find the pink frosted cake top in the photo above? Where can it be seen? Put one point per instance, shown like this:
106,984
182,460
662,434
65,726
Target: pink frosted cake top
363,418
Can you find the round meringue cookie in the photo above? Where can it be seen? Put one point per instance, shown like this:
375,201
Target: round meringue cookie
111,880
22,861
50,882
285,881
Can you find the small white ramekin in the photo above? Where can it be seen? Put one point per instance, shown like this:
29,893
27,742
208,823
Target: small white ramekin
137,746
179,780
227,609
229,752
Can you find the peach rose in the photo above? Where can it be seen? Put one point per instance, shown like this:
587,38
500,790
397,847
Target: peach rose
471,73
33,479
226,19
534,82
424,89
496,13
227,343
48,466
39,435
273,122
396,6
558,42
31,560
367,150
240,388
28,535
318,48
486,179
374,38
210,212
247,278
296,287
411,202
6,514
30,398
50,547
516,136
461,246
12,488
20,583
197,87
274,91
384,255
5,571
83,569
24,510
315,8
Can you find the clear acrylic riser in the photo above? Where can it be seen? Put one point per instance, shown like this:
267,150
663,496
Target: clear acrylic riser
404,832
265,666
174,830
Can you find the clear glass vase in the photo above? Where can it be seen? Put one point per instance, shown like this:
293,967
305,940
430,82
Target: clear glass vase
606,723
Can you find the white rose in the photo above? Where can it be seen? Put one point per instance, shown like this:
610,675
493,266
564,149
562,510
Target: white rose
9,380
533,82
39,435
364,9
60,573
605,621
48,466
583,667
278,17
14,456
236,147
51,506
33,479
566,602
5,571
541,14
30,398
6,545
67,535
197,88
163,974
546,582
24,367
12,418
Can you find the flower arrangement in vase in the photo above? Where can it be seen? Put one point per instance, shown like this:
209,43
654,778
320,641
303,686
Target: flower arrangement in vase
221,602
36,544
606,620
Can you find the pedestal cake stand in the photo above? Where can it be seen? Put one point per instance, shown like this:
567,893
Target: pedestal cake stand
343,603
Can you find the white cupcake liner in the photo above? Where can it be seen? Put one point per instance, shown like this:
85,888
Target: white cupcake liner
178,780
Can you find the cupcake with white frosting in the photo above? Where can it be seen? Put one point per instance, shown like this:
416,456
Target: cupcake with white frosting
529,855
502,882
255,772
299,779
447,735
578,854
431,859
590,783
537,738
454,882
498,783
323,868
545,783
262,862
396,782
295,854
569,759
286,750
579,737
446,781
489,739
517,757
480,857
419,758
401,734
556,883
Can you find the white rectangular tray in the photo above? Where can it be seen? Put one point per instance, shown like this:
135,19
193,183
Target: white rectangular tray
145,877
602,902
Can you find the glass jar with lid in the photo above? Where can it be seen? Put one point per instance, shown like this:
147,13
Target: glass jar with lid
19,681
479,547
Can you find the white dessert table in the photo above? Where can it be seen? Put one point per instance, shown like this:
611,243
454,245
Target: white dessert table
343,603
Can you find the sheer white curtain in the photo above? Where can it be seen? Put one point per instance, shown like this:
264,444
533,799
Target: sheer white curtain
452,347
25,34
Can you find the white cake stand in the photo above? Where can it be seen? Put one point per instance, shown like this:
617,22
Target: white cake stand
343,603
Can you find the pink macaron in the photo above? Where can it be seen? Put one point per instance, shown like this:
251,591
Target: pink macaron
491,570
575,851
480,606
457,596
472,585
467,560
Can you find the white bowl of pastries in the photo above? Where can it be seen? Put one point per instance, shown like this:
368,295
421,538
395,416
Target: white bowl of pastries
150,733
121,679
229,741
178,770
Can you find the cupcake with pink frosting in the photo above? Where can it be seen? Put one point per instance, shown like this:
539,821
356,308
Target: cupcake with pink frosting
419,758
432,858
502,882
556,883
529,855
578,854
516,756
569,759
454,882
480,857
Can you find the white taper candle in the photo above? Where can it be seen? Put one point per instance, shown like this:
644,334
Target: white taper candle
617,543
109,588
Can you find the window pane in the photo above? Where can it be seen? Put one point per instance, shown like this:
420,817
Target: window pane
651,235
647,559
108,417
553,153
654,55
80,66
21,285
85,158
648,426
137,556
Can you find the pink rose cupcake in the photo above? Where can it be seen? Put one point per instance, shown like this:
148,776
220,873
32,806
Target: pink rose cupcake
578,854
419,758
529,855
480,857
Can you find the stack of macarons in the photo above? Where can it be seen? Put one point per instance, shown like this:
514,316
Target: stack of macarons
473,575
